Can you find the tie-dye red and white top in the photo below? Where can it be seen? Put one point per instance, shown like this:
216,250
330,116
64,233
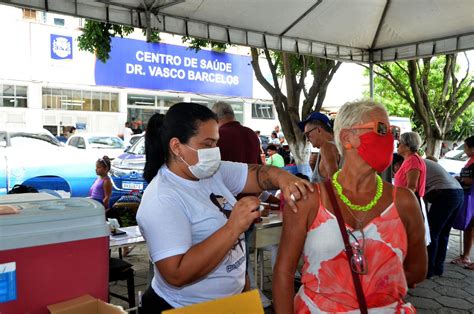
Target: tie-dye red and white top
327,284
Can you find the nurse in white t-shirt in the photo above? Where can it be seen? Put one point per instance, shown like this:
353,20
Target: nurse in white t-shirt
189,216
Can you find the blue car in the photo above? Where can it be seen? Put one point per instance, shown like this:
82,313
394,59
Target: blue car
127,172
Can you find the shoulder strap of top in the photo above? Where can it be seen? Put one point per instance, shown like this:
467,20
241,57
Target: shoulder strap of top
348,248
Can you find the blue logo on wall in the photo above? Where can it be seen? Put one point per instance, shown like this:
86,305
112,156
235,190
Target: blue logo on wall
61,47
138,64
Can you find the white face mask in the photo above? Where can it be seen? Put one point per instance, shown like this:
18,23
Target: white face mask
209,160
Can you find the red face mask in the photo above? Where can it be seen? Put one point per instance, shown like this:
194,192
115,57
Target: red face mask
376,150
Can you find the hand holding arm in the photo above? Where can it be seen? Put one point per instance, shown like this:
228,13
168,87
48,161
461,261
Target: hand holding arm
261,178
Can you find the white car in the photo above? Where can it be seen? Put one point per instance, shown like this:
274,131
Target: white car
135,138
98,144
455,151
454,162
36,158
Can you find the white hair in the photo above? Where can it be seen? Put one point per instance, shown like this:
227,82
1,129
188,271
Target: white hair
223,110
352,113
412,140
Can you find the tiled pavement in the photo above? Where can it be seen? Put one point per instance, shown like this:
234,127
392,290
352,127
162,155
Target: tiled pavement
451,293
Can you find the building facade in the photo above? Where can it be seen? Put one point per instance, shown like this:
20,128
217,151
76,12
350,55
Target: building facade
45,81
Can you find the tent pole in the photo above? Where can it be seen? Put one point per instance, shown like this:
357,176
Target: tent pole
371,80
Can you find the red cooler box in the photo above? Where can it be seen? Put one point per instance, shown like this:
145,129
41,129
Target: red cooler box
52,251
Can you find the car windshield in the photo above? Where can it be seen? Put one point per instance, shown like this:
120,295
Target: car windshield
134,139
32,139
460,156
138,148
106,142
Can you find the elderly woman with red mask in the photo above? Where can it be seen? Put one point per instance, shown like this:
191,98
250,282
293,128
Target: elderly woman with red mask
360,237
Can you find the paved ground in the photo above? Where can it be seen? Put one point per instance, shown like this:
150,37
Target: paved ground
451,293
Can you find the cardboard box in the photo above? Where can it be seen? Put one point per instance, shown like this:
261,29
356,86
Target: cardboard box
243,303
85,304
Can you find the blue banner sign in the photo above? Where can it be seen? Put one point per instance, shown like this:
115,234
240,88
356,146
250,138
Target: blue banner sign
61,47
138,64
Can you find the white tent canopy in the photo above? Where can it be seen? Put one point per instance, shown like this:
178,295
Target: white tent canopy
360,31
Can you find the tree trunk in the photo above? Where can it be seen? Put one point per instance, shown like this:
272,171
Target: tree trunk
433,146
301,154
287,106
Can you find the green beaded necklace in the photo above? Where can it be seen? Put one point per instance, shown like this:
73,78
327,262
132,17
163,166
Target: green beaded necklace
346,201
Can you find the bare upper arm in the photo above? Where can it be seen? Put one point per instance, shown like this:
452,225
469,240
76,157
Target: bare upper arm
413,176
329,159
409,210
410,213
293,236
168,268
107,186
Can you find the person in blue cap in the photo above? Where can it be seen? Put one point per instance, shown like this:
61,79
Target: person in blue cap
317,128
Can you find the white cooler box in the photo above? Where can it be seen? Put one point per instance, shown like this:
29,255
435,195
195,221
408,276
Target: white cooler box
53,250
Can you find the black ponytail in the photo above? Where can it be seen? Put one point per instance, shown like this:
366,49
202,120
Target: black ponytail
153,147
181,121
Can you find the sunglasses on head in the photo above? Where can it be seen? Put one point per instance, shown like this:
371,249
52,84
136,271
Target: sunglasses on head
380,128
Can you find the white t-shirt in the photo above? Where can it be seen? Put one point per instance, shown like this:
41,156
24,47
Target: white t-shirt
176,214
127,134
275,141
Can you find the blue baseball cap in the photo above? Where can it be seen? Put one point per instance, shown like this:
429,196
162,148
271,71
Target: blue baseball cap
315,116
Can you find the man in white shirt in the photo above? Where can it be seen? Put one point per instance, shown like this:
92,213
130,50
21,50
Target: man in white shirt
127,133
280,136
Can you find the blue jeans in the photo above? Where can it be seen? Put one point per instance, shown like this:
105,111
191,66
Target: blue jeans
444,206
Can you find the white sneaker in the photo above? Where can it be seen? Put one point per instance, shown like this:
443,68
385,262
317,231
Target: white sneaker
265,301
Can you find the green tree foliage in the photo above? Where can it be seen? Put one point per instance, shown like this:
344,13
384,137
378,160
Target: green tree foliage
464,126
96,37
196,44
432,92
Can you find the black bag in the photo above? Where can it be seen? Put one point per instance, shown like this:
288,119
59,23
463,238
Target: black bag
21,188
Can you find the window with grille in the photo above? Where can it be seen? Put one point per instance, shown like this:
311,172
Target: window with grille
141,107
262,111
13,96
29,14
58,22
80,100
